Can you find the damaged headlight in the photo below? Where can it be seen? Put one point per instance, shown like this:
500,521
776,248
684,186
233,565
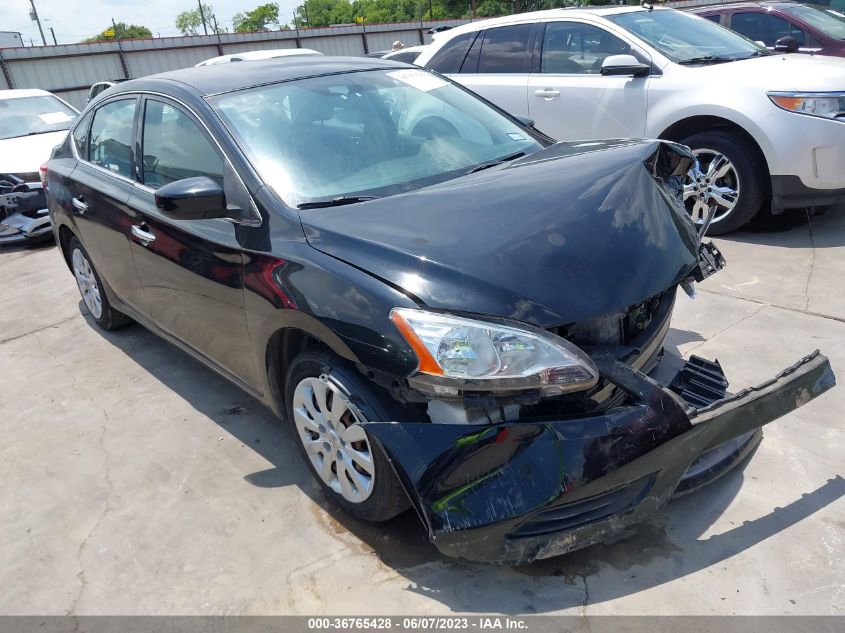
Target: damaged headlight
458,354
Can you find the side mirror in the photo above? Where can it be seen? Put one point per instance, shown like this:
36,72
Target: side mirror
526,121
617,65
193,199
786,44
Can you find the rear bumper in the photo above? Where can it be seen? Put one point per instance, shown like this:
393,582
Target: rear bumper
516,492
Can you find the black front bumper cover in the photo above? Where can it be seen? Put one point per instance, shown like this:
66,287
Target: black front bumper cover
515,492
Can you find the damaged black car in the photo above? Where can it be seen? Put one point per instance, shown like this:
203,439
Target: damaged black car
453,312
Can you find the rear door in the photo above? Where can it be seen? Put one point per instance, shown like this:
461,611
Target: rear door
497,66
100,187
191,270
570,99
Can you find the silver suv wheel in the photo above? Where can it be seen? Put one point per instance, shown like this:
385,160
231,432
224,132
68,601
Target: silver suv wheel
87,283
714,181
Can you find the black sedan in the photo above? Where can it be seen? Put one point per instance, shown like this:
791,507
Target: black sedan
451,311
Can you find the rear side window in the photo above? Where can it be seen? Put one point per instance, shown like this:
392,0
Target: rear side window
449,58
175,147
80,134
717,18
766,28
505,50
110,140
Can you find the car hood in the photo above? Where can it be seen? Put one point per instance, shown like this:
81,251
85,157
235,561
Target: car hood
27,153
780,72
575,231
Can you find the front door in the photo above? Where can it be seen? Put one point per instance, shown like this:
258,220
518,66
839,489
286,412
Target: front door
191,270
568,97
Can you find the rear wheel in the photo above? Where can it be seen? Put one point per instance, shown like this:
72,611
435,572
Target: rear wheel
91,288
327,405
731,177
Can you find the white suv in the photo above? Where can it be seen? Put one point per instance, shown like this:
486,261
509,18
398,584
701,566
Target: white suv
761,124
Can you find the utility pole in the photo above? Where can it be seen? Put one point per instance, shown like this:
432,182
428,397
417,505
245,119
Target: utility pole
202,15
54,35
34,16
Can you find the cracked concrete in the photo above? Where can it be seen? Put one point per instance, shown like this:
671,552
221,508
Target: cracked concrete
134,481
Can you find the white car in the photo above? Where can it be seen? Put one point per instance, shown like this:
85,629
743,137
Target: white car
32,123
407,55
761,124
249,56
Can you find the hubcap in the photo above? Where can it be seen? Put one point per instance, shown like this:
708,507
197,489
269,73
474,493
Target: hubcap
329,427
87,283
713,181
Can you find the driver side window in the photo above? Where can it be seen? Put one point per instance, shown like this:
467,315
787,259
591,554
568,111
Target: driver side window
174,147
575,48
765,28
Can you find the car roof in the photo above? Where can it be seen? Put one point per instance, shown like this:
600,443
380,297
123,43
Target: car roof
260,54
20,93
219,78
766,4
543,16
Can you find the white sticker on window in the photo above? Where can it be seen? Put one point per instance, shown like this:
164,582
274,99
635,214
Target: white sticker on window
516,137
418,79
51,118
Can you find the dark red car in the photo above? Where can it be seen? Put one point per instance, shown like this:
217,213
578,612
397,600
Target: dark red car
785,26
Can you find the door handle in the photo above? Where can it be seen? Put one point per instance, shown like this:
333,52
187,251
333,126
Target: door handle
79,204
548,93
145,237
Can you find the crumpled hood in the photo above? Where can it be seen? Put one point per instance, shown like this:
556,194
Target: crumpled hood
27,153
575,231
780,72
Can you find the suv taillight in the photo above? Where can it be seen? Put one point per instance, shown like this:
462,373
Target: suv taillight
42,172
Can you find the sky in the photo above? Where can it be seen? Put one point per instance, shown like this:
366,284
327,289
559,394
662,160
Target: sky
74,20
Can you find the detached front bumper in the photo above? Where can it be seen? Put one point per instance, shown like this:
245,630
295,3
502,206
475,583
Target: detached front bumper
516,492
26,226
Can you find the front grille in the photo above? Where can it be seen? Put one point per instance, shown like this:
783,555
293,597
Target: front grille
585,511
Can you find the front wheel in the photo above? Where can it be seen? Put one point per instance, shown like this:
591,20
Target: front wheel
327,405
731,177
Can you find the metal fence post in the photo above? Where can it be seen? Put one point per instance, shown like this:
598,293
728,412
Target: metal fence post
6,72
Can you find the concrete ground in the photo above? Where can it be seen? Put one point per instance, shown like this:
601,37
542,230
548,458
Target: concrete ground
135,481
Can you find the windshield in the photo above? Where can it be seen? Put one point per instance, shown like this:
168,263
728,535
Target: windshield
23,116
373,133
687,38
830,21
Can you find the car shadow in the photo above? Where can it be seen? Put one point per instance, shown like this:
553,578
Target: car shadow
822,227
667,548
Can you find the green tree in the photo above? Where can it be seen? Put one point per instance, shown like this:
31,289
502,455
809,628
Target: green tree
258,19
190,22
122,31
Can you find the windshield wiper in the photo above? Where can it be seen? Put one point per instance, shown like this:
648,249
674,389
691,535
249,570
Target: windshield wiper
337,201
493,163
705,59
758,54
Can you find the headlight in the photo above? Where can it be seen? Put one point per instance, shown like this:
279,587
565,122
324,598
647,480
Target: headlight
828,105
457,354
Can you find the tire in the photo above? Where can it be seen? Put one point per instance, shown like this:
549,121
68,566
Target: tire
91,288
310,372
749,170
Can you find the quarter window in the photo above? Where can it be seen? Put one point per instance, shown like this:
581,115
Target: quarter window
80,134
110,140
505,50
574,48
766,28
449,58
175,147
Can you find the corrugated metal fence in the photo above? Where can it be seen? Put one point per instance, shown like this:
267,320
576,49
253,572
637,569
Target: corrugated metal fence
70,69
